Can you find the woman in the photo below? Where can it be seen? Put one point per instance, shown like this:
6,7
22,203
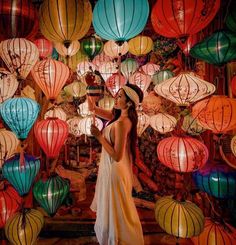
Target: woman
117,221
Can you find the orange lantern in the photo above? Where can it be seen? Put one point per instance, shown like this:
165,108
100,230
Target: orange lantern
143,122
233,145
150,68
141,80
115,82
101,58
217,113
51,75
233,85
114,50
56,112
182,154
106,69
107,102
184,89
69,51
85,124
44,46
140,45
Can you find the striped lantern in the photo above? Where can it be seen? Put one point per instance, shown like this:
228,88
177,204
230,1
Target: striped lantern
114,50
179,218
115,82
51,192
161,76
182,153
20,114
101,58
50,75
85,125
150,68
107,102
65,21
184,89
8,144
69,51
232,145
84,67
141,80
8,84
51,134
73,124
143,122
128,67
56,112
20,56
10,203
21,176
107,69
24,227
191,126
44,46
91,46
140,45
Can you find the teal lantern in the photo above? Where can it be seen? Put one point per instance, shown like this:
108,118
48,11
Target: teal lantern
91,46
231,19
21,176
51,192
20,114
120,20
217,49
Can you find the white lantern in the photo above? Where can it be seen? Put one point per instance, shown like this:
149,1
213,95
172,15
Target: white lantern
83,109
73,124
84,67
106,69
85,125
56,112
141,80
143,122
70,51
101,58
107,102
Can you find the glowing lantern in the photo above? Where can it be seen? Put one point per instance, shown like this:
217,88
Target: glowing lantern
76,89
191,126
150,68
182,154
188,44
233,85
51,134
163,123
56,112
85,125
116,26
20,114
217,113
230,20
218,180
106,69
115,82
18,18
71,50
84,67
143,122
21,176
161,76
179,218
140,45
141,80
51,76
107,102
83,109
128,67
101,58
51,193
65,21
233,145
152,103
216,233
91,46
24,227
184,89
8,84
114,50
73,124
20,56
44,46
181,18
10,203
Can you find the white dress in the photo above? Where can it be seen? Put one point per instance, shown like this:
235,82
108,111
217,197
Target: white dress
117,221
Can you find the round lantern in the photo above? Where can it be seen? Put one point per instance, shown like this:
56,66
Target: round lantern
91,46
110,18
179,218
114,50
18,18
8,144
184,89
106,69
150,68
191,126
172,18
107,102
216,233
217,113
73,124
230,20
21,176
85,125
233,145
51,134
114,83
143,122
56,112
65,51
100,58
8,84
20,114
20,56
217,49
161,76
44,46
188,44
84,67
65,21
76,89
141,80
51,192
10,203
140,45
128,67
83,109
51,76
182,154
24,227
163,123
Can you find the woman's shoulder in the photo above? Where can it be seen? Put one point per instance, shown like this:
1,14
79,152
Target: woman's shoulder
123,123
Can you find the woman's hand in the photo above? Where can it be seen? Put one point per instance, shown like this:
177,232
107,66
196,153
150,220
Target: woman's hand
91,103
95,132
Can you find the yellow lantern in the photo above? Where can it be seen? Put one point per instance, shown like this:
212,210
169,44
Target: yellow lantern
76,89
114,50
143,122
68,51
107,102
56,112
65,21
140,45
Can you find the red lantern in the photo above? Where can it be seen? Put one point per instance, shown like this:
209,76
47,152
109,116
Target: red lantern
178,18
233,85
51,134
44,46
182,154
188,44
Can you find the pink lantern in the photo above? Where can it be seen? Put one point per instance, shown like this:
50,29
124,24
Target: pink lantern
114,50
115,82
101,58
68,51
44,46
107,69
150,68
84,67
141,80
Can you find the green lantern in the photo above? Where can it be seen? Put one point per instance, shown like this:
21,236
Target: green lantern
217,49
231,20
91,46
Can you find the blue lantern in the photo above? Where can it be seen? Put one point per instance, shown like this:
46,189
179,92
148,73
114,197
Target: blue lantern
20,114
21,176
120,20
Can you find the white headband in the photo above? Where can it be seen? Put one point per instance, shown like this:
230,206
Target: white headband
131,94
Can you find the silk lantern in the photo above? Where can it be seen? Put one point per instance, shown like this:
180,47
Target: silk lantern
172,18
114,50
143,122
187,44
56,112
85,124
76,89
152,103
51,192
51,76
107,102
8,84
184,89
65,21
179,218
182,153
84,67
51,134
21,176
100,58
150,68
68,51
128,67
91,46
233,145
24,227
191,126
20,114
10,203
83,109
73,124
141,80
217,49
44,46
114,83
20,56
230,20
161,76
140,45
106,69
217,113
233,85
110,18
